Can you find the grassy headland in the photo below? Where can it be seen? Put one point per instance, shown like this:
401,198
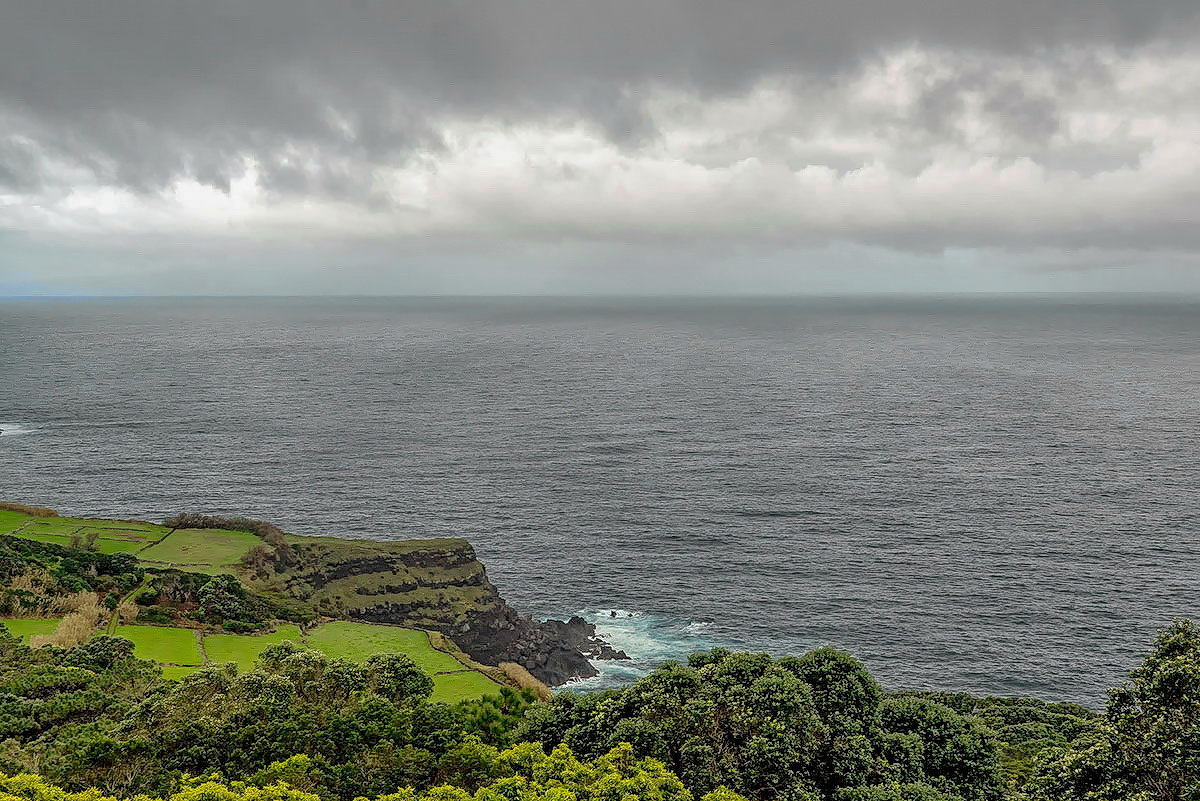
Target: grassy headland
186,597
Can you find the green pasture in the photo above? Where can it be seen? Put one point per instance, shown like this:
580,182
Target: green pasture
105,545
245,648
176,672
201,550
357,641
27,628
12,520
163,644
38,536
111,536
453,687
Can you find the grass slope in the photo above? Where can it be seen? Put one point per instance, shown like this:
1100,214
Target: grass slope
10,521
111,536
244,648
201,550
25,628
357,641
454,687
163,644
175,672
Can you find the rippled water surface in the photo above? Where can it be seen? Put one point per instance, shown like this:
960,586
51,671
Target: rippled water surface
996,495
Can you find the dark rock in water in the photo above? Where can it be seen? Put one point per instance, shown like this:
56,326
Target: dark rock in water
583,637
502,635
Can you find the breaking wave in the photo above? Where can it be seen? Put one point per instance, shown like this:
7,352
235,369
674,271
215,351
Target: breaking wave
649,640
17,429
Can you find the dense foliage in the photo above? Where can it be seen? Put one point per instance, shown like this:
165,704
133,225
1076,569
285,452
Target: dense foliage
811,728
94,716
797,728
172,595
34,573
1148,745
525,772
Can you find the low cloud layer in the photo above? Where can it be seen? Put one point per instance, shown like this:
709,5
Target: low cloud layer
1061,134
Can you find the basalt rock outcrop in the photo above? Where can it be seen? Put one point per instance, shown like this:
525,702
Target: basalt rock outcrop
438,585
582,636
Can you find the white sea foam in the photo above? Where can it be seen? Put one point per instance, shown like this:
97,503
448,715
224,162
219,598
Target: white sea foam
17,429
649,640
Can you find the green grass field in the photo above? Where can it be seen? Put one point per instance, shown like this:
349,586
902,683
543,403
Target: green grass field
163,644
25,628
105,545
102,544
54,539
111,536
12,520
244,649
178,672
201,550
357,641
454,687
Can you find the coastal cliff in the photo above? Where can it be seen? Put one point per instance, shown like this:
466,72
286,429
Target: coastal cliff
436,584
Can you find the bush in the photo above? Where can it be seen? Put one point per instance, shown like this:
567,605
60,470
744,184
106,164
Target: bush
242,627
32,511
157,614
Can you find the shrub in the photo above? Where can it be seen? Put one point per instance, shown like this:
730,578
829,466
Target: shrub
33,511
127,611
242,627
157,614
74,629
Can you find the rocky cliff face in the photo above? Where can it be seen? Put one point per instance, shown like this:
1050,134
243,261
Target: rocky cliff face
431,584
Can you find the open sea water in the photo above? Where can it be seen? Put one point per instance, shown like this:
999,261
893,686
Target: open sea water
997,495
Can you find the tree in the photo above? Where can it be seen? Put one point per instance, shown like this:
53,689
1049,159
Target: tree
736,720
99,653
397,678
927,742
1148,747
223,598
847,699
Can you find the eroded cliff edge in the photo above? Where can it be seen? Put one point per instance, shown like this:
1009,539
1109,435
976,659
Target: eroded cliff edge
434,584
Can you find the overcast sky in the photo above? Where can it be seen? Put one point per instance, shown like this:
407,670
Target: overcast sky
561,146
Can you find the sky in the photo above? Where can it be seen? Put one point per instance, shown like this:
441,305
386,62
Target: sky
578,147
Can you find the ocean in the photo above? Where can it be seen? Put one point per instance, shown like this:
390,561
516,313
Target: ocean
989,494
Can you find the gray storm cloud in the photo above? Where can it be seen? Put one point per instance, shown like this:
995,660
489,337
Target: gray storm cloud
916,125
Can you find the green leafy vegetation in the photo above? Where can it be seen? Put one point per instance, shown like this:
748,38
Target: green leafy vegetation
723,726
474,772
236,683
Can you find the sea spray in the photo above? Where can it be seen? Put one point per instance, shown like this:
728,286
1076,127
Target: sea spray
16,429
649,640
